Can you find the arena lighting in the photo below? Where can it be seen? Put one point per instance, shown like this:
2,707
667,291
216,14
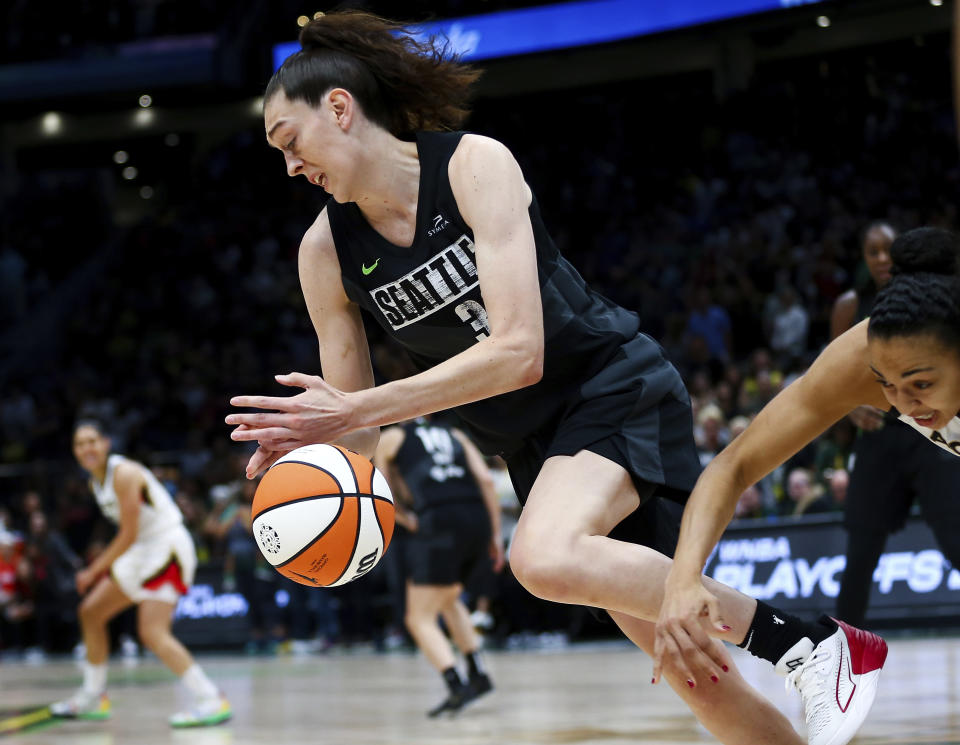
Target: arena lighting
937,3
256,106
146,101
823,22
571,24
146,192
130,173
318,15
172,139
51,123
302,21
143,117
120,157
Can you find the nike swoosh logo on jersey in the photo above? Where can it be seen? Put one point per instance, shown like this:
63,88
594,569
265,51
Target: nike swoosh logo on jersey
366,270
845,668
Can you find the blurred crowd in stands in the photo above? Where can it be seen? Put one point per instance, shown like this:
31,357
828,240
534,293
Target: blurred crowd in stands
730,224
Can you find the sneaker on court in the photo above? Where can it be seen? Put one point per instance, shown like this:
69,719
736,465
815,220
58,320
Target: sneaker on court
478,685
204,713
82,705
837,681
452,703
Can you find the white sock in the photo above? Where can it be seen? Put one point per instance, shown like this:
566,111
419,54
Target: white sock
198,683
94,678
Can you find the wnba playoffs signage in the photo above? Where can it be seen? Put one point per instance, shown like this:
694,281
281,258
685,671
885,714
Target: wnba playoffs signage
798,566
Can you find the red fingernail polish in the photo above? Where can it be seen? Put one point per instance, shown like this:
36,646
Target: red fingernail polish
714,678
726,669
690,683
653,680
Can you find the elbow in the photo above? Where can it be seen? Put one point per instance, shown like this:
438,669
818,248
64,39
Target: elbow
528,363
532,372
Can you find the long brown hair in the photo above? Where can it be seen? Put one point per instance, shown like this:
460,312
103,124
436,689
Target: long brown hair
401,83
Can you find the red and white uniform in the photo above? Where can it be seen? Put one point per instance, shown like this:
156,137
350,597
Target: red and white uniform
162,560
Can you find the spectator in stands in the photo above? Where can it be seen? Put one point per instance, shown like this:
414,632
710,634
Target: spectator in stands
709,325
50,577
806,496
789,328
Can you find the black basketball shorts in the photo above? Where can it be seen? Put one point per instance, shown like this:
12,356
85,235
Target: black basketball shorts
635,412
448,544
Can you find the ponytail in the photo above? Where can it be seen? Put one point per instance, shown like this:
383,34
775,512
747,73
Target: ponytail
402,83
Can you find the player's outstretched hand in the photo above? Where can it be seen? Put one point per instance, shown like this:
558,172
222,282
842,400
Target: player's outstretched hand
682,638
320,413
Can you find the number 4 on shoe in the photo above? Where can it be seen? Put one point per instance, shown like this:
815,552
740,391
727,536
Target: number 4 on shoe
837,681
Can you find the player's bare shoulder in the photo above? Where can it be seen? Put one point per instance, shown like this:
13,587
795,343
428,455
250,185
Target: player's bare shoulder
481,166
317,243
842,372
128,475
319,266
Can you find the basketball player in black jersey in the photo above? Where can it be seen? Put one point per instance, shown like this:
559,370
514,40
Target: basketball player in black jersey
891,467
436,234
457,526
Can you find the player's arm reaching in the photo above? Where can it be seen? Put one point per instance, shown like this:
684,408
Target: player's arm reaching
128,483
344,352
481,474
839,380
494,199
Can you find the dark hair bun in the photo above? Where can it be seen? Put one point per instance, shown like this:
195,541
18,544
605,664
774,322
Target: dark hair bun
930,250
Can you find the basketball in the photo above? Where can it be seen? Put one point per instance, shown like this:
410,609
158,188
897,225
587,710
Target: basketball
323,515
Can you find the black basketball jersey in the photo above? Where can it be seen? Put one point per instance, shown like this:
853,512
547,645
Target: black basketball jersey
434,465
428,298
865,299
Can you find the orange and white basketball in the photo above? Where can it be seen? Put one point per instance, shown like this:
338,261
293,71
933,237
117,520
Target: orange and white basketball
323,515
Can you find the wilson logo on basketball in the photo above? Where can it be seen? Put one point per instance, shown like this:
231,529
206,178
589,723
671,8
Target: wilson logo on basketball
269,539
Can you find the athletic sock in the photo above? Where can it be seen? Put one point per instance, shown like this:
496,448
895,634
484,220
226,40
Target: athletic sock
453,680
94,678
774,633
198,683
475,666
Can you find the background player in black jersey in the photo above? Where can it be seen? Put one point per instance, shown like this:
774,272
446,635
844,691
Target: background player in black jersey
438,236
891,467
444,478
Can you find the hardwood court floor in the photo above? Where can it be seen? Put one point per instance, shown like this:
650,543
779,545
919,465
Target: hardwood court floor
581,695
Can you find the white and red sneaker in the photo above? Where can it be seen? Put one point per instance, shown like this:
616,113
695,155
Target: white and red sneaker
837,681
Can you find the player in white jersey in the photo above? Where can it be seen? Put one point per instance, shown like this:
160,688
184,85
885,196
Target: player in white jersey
906,356
150,563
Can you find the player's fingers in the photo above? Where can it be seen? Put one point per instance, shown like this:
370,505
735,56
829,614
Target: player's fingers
716,620
700,652
673,657
657,657
279,403
261,460
269,437
257,420
298,380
